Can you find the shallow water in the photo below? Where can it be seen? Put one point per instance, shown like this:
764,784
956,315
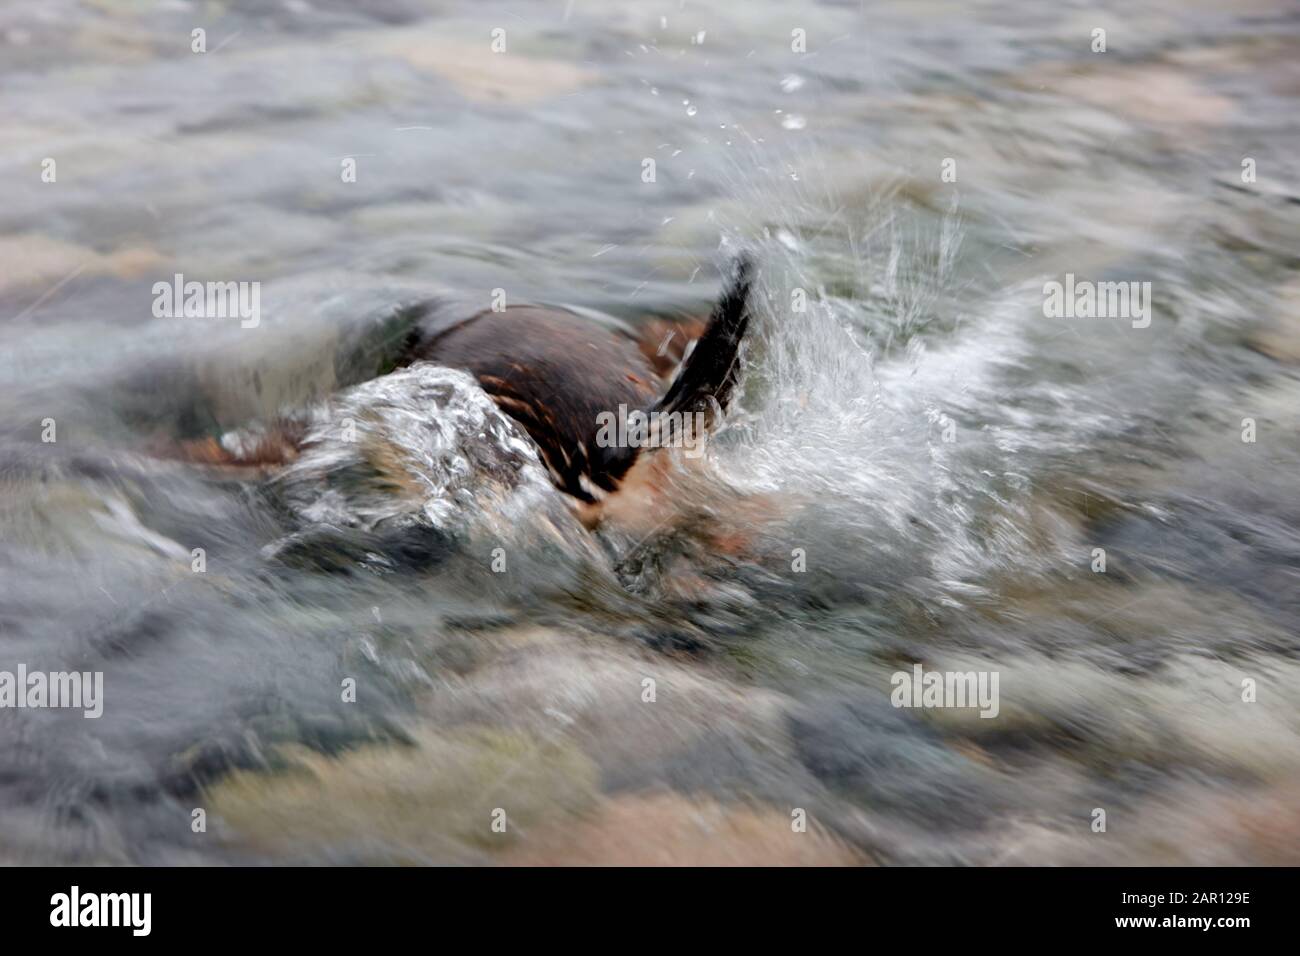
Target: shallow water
940,457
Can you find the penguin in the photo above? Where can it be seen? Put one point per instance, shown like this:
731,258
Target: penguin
558,374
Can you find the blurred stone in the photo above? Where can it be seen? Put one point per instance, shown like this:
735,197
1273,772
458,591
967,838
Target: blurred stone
33,259
673,830
1148,93
478,73
429,803
1281,339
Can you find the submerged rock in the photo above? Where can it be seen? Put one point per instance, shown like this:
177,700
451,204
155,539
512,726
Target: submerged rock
433,802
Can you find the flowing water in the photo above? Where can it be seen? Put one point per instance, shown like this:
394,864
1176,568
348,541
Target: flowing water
396,638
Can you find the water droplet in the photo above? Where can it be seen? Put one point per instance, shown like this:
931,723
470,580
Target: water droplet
691,111
791,82
794,122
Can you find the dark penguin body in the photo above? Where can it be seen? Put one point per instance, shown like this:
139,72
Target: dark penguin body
555,372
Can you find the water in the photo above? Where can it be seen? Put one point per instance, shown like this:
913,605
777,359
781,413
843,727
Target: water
939,457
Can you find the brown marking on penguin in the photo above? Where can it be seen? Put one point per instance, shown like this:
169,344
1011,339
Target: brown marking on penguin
277,445
663,341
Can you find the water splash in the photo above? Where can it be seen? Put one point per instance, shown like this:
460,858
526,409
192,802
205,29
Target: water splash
423,447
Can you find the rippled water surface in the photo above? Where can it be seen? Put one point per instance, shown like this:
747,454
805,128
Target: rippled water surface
920,466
